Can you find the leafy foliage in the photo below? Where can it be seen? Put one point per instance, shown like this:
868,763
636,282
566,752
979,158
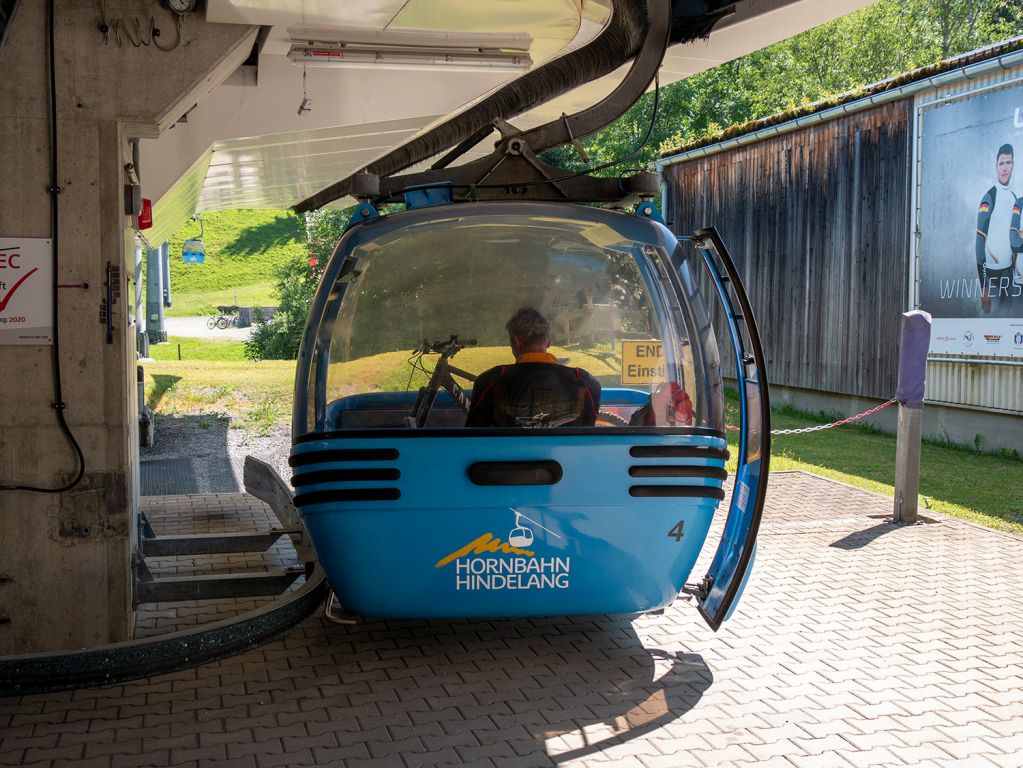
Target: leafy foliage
278,337
884,39
323,229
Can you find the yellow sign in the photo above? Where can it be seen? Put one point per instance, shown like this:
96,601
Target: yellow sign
642,362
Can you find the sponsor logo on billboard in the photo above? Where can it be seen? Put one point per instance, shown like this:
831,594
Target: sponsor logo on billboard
968,339
948,338
992,338
1018,340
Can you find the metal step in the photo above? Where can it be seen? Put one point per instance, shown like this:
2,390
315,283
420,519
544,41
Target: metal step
263,482
172,589
212,543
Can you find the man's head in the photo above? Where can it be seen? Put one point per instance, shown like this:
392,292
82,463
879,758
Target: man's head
1005,163
528,331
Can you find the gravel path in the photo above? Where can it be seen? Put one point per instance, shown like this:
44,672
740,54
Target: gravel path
204,454
196,328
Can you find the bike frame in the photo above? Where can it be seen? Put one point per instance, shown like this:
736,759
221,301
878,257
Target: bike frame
441,378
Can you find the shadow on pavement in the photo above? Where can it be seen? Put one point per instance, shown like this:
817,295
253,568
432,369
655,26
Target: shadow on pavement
570,687
859,539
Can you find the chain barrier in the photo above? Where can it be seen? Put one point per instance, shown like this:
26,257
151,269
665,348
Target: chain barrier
820,427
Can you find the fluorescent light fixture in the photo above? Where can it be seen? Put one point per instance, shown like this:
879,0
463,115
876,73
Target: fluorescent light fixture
425,56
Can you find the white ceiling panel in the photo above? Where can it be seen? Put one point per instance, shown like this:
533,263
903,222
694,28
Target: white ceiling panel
277,171
375,14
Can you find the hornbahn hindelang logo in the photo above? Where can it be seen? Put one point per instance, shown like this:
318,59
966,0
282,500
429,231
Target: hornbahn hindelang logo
479,565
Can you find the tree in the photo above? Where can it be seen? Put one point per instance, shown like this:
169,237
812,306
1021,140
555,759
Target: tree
884,39
278,337
323,230
295,281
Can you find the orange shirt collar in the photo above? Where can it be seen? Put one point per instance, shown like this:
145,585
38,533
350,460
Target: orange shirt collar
536,357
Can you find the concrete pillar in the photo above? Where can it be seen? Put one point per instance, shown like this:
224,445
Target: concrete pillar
68,555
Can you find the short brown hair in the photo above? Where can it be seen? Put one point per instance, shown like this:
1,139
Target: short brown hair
529,326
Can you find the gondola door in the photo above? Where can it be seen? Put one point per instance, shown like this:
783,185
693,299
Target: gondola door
719,591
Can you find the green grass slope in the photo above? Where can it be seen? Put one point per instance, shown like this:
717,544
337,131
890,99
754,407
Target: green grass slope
242,249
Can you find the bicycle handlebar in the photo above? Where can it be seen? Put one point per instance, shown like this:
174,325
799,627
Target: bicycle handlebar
447,347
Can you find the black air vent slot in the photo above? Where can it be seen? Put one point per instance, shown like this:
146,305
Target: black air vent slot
677,491
340,454
673,470
347,494
515,472
366,474
677,452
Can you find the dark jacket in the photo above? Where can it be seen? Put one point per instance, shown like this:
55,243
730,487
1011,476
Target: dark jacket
534,394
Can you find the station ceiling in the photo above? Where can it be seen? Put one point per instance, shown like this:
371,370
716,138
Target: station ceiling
248,145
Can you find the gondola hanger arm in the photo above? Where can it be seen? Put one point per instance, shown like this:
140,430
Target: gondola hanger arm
641,37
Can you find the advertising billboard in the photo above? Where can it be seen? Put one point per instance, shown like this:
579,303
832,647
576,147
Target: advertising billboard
971,246
26,291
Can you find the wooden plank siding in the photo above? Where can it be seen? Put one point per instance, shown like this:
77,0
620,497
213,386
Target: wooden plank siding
818,222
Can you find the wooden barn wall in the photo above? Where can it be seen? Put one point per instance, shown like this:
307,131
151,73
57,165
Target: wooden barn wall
818,223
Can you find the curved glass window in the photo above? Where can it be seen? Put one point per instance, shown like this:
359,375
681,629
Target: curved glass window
403,289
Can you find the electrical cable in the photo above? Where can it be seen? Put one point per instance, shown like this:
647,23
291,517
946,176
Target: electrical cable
54,190
139,39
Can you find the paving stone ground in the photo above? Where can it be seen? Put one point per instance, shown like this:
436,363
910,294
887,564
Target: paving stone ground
858,643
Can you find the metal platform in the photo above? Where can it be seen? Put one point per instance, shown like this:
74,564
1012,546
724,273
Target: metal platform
186,476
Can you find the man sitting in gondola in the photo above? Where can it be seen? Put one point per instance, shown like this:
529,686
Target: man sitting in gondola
537,391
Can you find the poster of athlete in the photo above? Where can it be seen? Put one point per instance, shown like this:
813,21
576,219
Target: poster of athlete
971,243
26,291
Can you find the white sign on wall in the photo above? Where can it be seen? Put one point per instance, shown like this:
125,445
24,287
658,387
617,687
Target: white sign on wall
26,290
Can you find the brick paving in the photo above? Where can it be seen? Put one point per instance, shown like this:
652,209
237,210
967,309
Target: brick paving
858,643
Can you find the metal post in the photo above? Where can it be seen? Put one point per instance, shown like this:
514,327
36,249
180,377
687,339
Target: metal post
914,342
154,297
165,272
141,339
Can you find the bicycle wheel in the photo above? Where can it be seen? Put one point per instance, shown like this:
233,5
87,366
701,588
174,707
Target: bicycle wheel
223,322
236,321
608,419
211,323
